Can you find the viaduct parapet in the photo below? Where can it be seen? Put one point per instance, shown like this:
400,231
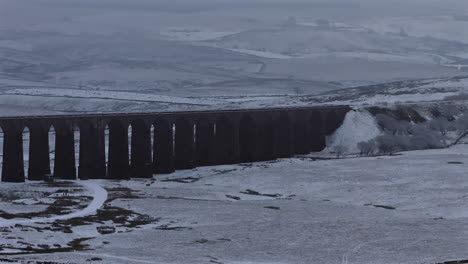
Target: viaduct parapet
181,140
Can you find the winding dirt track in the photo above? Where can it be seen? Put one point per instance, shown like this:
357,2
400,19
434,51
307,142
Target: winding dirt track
99,197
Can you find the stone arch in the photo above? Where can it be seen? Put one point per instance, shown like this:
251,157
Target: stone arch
140,161
317,133
247,138
118,150
204,142
163,150
184,144
152,131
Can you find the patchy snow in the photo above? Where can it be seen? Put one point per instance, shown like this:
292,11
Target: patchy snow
368,210
16,45
372,56
440,27
401,98
263,54
358,126
193,34
32,201
99,197
335,25
116,95
255,98
462,55
118,258
447,84
6,82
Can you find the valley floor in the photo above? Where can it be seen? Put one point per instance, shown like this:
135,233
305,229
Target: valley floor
406,208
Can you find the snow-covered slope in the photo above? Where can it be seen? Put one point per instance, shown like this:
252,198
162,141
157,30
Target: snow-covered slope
411,91
296,40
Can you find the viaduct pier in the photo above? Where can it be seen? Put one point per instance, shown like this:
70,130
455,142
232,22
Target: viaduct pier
161,142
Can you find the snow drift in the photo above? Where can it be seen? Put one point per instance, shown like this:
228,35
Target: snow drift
376,130
358,126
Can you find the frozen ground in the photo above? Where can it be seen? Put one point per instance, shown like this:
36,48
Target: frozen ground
404,208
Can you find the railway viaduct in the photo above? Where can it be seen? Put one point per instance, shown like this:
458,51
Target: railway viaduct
182,140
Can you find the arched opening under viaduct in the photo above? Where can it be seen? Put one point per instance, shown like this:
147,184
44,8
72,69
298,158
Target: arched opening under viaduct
51,134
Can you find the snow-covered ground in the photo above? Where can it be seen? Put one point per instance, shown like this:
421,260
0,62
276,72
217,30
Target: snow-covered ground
404,208
116,95
403,92
440,27
195,34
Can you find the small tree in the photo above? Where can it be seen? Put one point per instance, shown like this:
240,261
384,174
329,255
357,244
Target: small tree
367,148
339,151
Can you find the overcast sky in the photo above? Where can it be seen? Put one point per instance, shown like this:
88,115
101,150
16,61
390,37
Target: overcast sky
21,14
265,3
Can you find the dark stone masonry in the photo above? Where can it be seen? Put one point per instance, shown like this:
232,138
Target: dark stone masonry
161,143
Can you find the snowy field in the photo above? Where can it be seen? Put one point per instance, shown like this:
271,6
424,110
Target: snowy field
360,210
